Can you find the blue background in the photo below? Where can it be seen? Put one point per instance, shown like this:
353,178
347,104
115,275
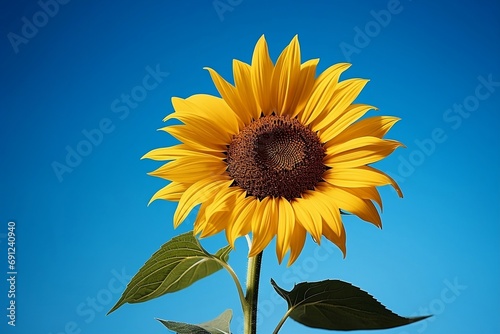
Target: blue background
82,234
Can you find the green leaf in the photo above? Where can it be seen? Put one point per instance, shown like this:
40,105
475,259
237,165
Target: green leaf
337,305
219,325
176,265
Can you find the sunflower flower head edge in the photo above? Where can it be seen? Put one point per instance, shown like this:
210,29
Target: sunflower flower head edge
279,155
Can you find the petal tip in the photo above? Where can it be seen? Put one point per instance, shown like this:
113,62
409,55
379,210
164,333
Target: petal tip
151,200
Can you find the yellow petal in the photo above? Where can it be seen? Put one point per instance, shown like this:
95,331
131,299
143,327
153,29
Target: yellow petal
328,210
359,152
241,218
204,130
330,220
322,91
376,126
178,151
286,222
337,125
263,224
201,221
208,225
306,84
363,176
197,193
213,109
371,214
338,239
172,192
191,169
230,95
262,70
297,241
308,216
346,201
243,83
216,224
285,78
370,193
223,201
189,136
345,94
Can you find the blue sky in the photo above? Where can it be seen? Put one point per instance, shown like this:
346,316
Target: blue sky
97,78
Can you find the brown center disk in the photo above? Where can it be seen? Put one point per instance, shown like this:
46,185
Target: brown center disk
276,156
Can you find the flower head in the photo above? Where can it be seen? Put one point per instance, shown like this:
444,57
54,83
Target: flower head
281,153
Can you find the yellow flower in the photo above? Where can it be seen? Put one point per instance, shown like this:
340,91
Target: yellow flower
280,154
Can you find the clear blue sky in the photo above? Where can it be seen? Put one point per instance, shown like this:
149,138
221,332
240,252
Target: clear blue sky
85,85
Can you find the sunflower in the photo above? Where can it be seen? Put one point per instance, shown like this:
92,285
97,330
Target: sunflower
281,154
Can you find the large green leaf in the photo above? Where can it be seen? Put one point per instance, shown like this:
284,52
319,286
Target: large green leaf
219,325
337,305
176,265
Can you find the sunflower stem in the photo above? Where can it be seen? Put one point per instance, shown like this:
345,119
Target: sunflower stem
252,293
282,321
236,281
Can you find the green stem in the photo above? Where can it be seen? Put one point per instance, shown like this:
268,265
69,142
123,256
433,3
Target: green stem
250,311
236,281
282,321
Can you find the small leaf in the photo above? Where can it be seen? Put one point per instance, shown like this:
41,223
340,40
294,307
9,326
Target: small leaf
176,265
219,325
337,305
